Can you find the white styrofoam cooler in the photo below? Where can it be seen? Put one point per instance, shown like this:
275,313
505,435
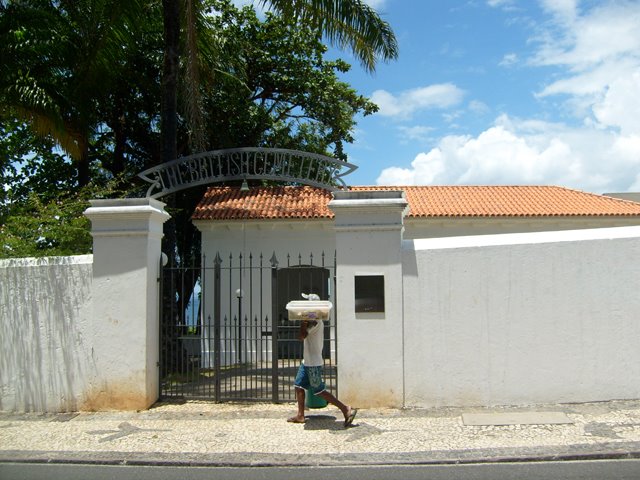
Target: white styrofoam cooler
309,309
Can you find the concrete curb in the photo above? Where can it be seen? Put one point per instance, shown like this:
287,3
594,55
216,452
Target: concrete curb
606,451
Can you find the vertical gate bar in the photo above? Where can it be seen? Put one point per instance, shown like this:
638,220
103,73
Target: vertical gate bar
254,365
227,350
268,360
170,328
217,312
166,327
242,377
179,331
162,355
274,328
335,315
251,334
174,342
323,266
193,330
184,272
250,285
230,328
187,277
259,337
186,330
239,339
234,371
184,278
200,327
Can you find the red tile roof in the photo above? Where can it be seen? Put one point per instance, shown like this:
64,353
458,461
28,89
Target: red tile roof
285,202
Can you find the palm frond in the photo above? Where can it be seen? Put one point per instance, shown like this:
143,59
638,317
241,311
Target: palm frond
46,125
346,23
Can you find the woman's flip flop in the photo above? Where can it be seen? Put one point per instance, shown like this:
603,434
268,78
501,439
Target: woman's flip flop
352,414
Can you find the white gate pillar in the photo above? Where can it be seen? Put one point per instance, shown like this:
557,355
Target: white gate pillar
369,226
127,236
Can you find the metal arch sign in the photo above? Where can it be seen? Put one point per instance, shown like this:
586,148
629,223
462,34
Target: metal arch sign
246,163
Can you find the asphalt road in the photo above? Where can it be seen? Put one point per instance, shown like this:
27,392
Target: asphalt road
569,470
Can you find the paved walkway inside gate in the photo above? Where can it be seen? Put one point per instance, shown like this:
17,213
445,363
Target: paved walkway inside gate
196,433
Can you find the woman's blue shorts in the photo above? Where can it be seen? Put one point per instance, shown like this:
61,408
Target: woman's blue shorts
310,378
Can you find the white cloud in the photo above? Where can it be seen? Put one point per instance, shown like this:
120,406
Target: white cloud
564,11
602,34
506,4
415,133
478,107
596,49
509,59
620,106
404,105
527,152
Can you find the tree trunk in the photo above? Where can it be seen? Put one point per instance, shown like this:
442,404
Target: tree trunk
169,107
169,152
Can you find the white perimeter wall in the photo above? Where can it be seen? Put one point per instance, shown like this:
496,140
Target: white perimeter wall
81,332
45,339
522,318
484,320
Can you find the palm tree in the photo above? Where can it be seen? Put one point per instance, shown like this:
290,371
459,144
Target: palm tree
170,67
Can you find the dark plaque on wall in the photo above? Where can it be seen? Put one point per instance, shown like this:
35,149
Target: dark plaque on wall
369,292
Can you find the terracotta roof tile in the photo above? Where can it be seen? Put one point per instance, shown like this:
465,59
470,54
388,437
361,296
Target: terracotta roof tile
229,203
283,202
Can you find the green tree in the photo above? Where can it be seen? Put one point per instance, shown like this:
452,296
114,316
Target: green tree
262,83
59,61
41,207
285,95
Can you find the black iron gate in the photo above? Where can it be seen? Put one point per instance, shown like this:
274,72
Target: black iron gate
224,331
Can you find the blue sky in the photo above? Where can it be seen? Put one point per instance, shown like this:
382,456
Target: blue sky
503,92
513,92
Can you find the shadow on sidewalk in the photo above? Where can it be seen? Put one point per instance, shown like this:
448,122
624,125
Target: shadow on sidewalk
323,422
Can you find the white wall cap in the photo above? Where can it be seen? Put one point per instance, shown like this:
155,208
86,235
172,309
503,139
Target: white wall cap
127,208
522,238
127,202
367,194
369,203
384,204
370,199
46,261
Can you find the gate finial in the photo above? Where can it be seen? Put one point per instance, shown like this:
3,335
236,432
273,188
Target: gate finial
274,260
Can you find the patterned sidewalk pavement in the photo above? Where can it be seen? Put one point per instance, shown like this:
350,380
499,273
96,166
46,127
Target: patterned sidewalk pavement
197,433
